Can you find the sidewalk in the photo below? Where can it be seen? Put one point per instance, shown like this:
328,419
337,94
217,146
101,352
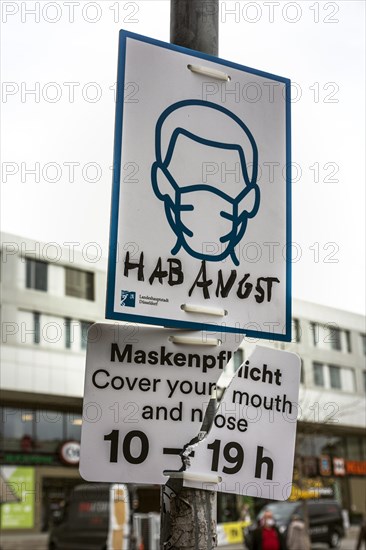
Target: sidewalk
40,542
24,542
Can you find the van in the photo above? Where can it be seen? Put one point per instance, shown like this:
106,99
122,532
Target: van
325,520
84,523
101,516
95,518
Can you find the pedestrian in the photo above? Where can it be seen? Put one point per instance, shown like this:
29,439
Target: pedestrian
245,513
362,536
297,535
267,536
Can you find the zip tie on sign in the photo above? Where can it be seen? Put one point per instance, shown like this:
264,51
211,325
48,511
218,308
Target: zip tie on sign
190,476
189,340
213,73
217,311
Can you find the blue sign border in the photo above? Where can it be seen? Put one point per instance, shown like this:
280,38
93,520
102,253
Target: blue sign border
113,239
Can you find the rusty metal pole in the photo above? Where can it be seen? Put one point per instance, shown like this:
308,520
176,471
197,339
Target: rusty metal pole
188,516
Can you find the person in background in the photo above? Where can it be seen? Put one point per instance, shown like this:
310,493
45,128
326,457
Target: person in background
362,536
297,535
267,536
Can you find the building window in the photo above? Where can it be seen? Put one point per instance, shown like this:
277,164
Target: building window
84,333
49,430
68,333
314,332
37,327
348,341
79,284
318,374
364,381
36,274
335,377
335,338
17,429
73,426
302,374
363,340
296,330
238,359
354,448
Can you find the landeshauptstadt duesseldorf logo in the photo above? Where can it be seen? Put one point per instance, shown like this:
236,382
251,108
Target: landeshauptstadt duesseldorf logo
128,298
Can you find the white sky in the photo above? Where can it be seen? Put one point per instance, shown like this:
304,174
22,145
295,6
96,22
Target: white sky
322,52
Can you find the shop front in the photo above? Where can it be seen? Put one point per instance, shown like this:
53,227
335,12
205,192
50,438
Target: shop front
39,457
332,465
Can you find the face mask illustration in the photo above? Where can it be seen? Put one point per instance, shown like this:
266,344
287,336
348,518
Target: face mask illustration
190,183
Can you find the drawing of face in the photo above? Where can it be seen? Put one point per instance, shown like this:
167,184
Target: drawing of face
192,185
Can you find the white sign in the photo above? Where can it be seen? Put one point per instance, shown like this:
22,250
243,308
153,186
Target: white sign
70,452
250,447
200,223
145,396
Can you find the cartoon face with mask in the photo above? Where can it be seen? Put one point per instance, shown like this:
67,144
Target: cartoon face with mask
199,169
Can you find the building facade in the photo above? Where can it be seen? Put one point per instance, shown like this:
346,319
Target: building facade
51,295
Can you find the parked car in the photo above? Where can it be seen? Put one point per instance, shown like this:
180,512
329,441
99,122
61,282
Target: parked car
325,520
86,520
95,513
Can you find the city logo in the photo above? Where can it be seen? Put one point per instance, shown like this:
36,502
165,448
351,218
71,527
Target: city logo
128,299
189,135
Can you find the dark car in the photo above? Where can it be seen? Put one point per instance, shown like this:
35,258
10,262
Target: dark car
85,522
325,520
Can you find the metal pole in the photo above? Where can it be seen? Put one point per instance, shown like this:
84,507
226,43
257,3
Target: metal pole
188,516
194,24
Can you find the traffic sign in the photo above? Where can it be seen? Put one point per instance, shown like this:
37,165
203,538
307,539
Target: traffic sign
250,447
146,392
200,221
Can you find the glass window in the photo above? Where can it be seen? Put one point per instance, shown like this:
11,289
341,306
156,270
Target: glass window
318,374
348,379
302,374
335,338
73,426
354,448
49,427
333,446
348,341
17,429
79,284
68,333
36,274
296,330
335,377
84,333
363,448
363,340
238,359
304,444
37,327
315,333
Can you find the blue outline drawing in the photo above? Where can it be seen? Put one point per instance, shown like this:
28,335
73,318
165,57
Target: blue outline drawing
173,208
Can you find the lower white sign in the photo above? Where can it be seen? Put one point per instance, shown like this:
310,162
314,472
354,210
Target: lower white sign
146,393
250,447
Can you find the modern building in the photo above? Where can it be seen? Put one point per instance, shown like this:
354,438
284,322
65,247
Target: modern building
51,295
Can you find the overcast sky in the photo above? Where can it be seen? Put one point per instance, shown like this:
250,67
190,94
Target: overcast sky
67,53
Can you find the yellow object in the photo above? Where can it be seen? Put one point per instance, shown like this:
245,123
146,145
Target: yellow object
231,533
